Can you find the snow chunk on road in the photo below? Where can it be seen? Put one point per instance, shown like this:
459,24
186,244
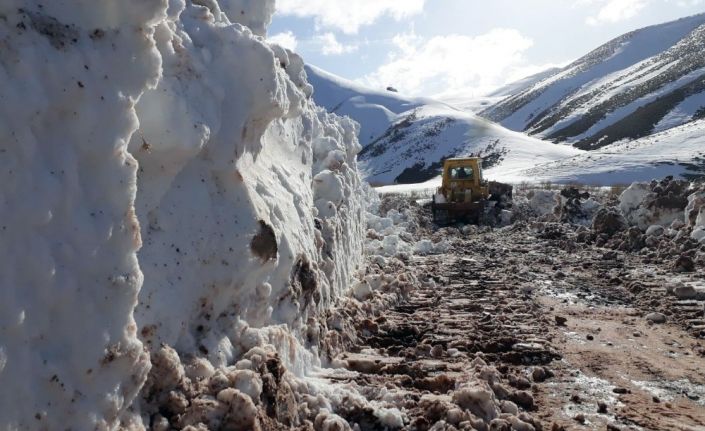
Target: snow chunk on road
656,203
478,399
426,246
695,215
391,418
630,203
543,202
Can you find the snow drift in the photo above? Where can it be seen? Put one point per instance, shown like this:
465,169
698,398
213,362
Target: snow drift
166,181
69,351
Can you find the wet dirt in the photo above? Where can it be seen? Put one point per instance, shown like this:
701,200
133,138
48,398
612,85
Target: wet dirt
564,324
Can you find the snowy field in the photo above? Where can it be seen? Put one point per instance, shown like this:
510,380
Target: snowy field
679,152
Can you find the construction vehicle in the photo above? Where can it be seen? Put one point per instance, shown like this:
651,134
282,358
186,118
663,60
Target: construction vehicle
465,196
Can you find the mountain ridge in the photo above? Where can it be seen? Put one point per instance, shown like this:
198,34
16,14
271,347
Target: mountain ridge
621,90
405,139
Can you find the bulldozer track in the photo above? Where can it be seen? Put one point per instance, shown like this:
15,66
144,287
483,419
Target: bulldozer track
521,302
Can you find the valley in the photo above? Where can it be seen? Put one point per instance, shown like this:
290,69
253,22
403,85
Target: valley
201,230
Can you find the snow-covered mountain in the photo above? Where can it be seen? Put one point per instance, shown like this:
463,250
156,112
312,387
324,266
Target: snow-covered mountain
374,110
641,83
405,139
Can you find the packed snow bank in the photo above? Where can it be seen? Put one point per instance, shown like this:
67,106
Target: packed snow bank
251,200
244,197
71,72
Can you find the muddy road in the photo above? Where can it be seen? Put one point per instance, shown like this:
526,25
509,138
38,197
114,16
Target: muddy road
561,335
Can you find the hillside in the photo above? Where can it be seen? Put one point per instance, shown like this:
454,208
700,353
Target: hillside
405,139
412,150
374,110
158,223
678,151
643,82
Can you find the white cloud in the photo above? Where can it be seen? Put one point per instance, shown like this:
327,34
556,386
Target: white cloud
349,15
612,11
329,45
286,39
444,65
688,3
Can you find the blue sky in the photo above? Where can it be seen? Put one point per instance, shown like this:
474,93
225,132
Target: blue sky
447,47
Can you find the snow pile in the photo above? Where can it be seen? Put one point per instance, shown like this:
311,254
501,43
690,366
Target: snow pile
661,220
396,233
174,127
656,203
69,350
695,214
568,205
543,202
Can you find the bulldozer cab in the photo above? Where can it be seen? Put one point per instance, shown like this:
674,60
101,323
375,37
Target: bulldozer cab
463,181
465,196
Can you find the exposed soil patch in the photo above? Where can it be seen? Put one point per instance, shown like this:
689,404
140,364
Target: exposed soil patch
572,335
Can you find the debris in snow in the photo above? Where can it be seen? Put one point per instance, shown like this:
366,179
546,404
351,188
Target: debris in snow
655,203
608,221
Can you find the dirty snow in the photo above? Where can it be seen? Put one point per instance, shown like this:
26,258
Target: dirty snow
200,185
71,355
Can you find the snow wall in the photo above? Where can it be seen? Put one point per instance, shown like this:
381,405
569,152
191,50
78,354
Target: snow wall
164,179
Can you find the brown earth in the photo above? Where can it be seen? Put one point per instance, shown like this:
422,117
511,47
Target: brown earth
563,323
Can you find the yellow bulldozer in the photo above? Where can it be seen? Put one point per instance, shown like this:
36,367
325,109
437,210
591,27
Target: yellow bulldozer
465,196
